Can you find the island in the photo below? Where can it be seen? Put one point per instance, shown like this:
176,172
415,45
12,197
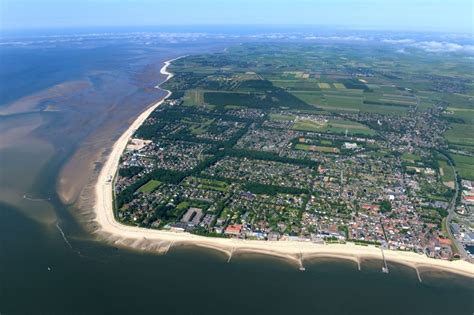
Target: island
300,151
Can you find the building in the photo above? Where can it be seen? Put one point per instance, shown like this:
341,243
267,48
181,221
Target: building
350,145
233,229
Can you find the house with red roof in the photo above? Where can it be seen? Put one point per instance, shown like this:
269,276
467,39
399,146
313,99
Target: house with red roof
233,229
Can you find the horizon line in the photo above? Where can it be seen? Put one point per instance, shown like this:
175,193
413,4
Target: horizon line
231,25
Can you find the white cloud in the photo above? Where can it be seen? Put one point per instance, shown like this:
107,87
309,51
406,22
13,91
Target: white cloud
433,46
398,41
338,38
430,46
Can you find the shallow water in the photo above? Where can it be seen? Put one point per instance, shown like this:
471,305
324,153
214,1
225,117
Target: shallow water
94,278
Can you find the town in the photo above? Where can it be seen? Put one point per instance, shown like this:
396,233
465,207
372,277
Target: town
277,153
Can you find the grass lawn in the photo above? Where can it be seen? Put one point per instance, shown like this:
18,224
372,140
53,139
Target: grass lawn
324,85
447,174
339,85
410,157
198,127
182,205
334,126
340,126
212,184
150,186
193,98
307,125
280,117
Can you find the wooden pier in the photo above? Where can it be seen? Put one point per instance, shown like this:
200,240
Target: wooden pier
385,268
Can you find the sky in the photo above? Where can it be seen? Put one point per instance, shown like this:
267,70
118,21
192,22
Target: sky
406,15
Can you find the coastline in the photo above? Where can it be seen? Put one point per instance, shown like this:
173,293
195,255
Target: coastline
160,241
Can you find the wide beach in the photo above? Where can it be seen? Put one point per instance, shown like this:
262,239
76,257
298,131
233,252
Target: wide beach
160,241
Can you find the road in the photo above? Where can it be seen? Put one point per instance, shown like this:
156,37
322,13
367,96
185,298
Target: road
451,214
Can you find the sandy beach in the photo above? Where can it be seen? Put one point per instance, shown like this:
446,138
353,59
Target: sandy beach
160,241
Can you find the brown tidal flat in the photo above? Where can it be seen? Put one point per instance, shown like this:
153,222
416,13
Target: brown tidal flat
22,156
31,103
79,173
77,178
55,138
83,167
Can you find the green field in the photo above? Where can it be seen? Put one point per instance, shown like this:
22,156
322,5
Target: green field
329,101
272,97
306,85
344,101
341,100
465,114
307,125
149,186
211,184
340,126
281,117
464,165
193,98
334,126
183,205
459,101
447,174
198,126
324,85
462,134
308,147
410,157
339,85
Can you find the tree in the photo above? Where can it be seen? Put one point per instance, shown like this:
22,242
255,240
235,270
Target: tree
385,206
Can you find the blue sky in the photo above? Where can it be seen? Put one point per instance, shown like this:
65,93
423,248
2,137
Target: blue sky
415,15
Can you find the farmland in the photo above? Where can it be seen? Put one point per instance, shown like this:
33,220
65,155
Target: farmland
462,134
464,165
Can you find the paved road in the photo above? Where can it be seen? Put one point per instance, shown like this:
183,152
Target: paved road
451,214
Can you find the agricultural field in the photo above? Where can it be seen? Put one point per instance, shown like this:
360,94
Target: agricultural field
464,165
461,134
